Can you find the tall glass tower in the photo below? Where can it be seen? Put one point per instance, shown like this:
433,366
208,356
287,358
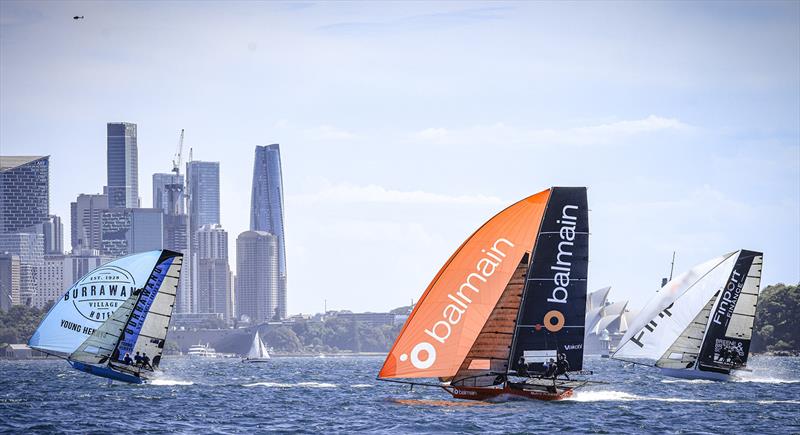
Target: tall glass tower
202,183
122,165
266,209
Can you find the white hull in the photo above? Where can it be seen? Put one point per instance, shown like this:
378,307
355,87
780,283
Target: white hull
255,360
695,374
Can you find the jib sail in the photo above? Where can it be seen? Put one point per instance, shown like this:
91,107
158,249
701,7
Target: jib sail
552,315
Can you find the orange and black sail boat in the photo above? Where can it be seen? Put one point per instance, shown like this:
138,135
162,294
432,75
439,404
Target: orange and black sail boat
505,314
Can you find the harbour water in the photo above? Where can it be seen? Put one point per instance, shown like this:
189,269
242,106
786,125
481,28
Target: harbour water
340,394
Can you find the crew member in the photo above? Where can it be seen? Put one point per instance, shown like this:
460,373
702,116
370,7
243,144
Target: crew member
550,369
137,359
127,360
562,366
146,361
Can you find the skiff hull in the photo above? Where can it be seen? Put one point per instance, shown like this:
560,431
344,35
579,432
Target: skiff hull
492,393
106,372
695,374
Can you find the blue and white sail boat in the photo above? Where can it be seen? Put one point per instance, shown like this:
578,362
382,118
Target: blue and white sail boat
113,322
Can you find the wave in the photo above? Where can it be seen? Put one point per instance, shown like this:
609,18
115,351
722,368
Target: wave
621,396
299,384
169,382
362,386
766,380
687,381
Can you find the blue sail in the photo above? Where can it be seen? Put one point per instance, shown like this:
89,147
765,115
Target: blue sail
90,302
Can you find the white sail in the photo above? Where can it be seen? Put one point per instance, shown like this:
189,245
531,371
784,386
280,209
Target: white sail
257,349
673,308
90,302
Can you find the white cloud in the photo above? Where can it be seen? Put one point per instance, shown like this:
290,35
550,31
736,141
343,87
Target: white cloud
500,133
351,193
328,132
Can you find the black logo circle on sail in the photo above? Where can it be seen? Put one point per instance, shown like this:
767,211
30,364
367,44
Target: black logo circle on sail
97,307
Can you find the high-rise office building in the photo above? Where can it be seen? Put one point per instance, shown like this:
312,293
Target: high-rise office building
202,188
122,165
266,209
24,192
86,223
29,248
9,281
53,231
168,193
127,231
257,276
147,230
213,284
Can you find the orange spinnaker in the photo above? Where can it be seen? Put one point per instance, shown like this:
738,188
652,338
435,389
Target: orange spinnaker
451,313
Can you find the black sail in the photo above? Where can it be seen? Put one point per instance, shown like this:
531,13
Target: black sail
553,309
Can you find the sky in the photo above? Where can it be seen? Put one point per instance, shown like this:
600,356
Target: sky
404,126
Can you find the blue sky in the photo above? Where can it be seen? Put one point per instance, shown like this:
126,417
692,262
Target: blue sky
404,126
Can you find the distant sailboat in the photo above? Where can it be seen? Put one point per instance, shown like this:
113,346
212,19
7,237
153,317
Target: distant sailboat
258,352
113,322
699,325
509,301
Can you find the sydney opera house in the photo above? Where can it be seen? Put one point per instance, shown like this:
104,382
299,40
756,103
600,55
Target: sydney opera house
606,322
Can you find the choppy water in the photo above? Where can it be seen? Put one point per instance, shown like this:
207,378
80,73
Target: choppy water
342,395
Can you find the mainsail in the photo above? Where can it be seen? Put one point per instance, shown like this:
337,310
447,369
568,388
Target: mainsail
514,290
703,319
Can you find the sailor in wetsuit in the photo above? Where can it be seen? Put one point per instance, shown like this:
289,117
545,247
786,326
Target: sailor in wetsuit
127,360
562,366
146,361
550,368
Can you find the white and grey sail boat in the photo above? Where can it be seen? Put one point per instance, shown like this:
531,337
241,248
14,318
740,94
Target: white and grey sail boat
258,352
699,325
113,322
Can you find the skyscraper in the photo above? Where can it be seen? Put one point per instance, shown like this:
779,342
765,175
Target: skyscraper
123,165
257,276
53,231
85,214
213,285
168,193
127,231
266,209
202,185
24,192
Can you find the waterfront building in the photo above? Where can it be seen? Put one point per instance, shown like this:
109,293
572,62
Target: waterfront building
266,209
213,284
9,281
24,192
168,193
29,248
257,276
86,223
122,165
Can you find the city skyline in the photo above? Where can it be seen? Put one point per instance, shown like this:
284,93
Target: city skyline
687,136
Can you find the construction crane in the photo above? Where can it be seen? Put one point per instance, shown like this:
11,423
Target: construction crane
176,162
